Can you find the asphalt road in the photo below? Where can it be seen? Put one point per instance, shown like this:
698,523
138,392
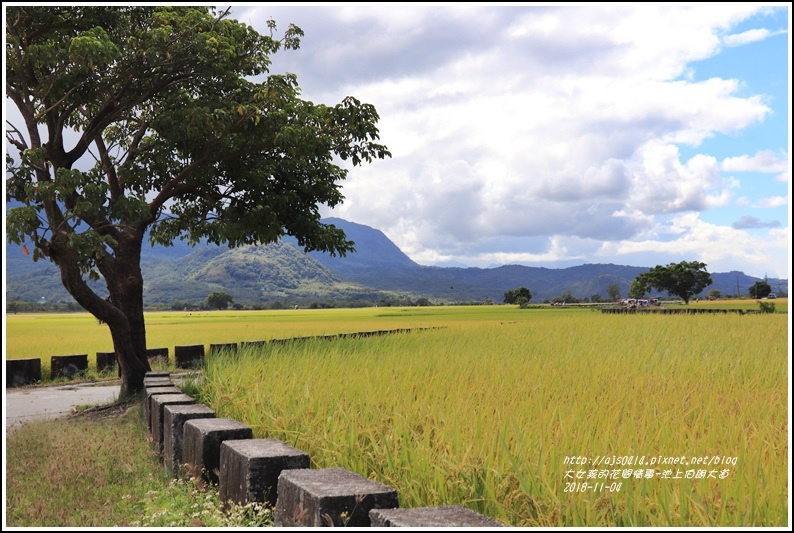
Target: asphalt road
41,403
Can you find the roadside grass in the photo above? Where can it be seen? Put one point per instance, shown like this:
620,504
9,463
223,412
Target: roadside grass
97,469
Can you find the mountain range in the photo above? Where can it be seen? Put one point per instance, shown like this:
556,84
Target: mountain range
378,271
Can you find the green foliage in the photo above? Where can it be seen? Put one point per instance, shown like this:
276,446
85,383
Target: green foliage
219,300
182,143
684,279
613,292
520,296
761,289
565,298
163,94
15,306
639,288
766,307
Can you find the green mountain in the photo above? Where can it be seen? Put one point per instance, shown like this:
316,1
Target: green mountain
377,271
251,274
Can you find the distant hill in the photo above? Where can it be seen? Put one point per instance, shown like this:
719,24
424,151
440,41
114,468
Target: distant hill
373,251
378,270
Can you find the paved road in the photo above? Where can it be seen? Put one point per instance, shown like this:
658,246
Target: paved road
40,403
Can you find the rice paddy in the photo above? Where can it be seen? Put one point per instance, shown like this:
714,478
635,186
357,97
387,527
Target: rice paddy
540,417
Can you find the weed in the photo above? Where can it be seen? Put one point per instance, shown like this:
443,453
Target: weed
98,470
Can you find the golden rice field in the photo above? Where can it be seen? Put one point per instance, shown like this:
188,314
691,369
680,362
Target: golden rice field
541,417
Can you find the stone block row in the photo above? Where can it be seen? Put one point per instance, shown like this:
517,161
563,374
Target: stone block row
224,451
21,372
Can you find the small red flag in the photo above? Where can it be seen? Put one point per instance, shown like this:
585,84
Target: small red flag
25,249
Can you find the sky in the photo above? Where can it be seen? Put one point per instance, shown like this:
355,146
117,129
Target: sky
559,135
556,135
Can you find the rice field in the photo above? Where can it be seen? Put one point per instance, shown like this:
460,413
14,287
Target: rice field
528,420
541,417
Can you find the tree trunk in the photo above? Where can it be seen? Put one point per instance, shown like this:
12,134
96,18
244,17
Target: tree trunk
133,365
122,311
128,330
129,336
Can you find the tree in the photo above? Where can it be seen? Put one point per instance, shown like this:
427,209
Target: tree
219,300
15,306
639,288
684,279
714,294
566,298
761,289
514,295
145,120
613,292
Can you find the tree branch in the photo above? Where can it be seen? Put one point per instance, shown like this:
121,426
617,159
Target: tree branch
108,168
19,143
132,151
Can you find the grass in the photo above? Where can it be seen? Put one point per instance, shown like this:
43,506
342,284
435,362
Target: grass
101,472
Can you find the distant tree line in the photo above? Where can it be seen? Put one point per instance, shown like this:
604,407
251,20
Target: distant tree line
683,279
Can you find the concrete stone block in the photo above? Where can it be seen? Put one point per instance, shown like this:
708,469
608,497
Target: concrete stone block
250,468
189,356
329,497
253,344
155,374
157,355
431,517
159,401
202,439
105,361
147,401
68,366
157,382
174,418
22,372
229,347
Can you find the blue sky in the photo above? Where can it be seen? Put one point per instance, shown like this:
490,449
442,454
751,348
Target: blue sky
557,135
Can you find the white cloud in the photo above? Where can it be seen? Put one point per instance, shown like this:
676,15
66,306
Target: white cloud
775,201
537,133
707,242
751,222
762,161
661,183
749,36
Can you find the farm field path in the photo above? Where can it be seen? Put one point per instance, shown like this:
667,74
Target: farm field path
42,403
